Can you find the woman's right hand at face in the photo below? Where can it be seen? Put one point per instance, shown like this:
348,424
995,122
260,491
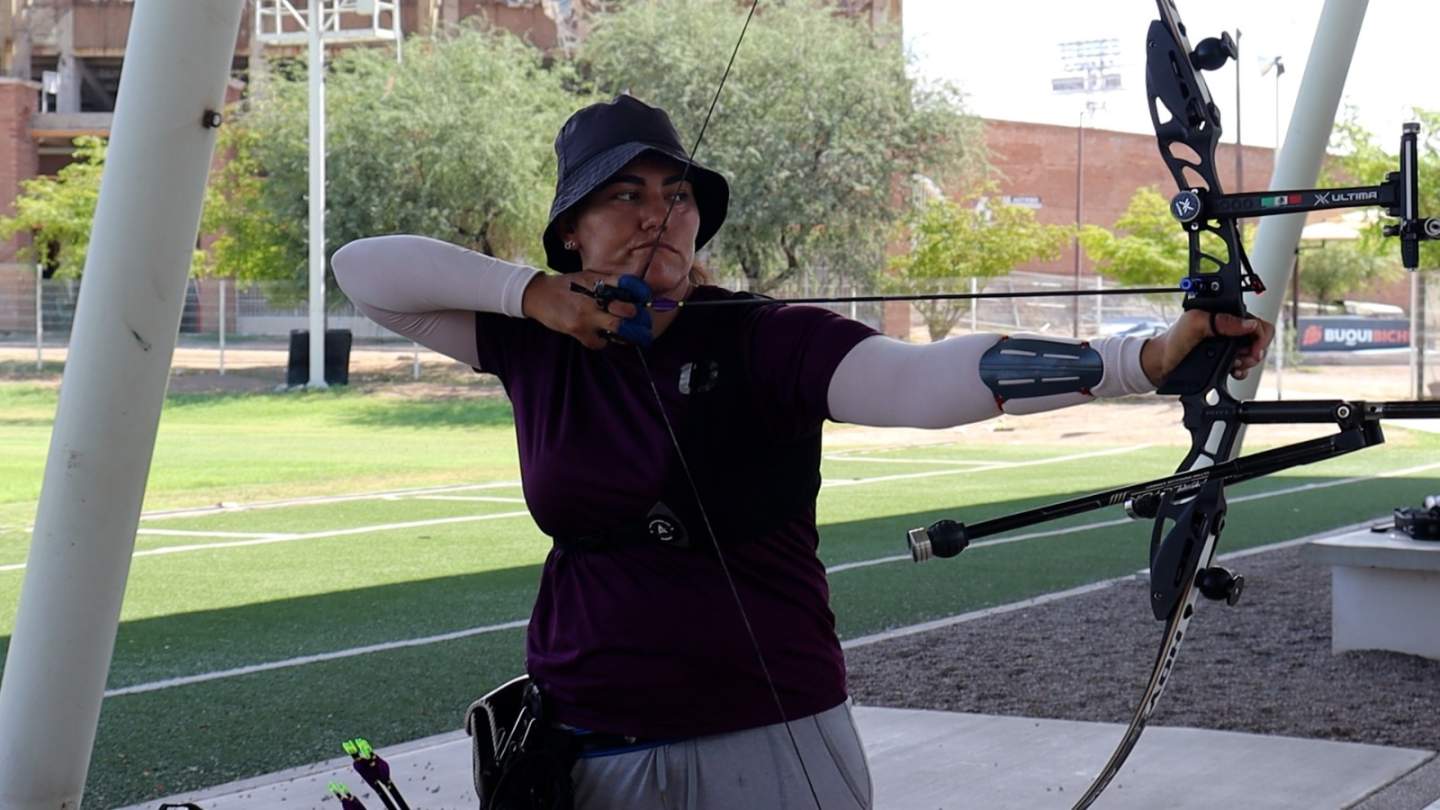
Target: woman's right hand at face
550,300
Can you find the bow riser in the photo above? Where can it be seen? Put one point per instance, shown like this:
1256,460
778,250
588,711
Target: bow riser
1187,131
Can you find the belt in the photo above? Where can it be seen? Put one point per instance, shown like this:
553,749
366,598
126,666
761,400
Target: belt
599,744
660,527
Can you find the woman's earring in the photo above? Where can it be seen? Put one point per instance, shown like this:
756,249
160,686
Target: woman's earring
569,244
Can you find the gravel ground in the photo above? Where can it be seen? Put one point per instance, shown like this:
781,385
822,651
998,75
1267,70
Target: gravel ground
1262,666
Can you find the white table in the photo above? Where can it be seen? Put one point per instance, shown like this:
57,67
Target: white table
1385,591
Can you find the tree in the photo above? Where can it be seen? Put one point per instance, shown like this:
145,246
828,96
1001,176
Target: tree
1148,248
58,211
816,121
952,243
1360,160
1153,250
454,143
1367,163
1329,273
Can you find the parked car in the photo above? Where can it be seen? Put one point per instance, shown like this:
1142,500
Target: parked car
1132,326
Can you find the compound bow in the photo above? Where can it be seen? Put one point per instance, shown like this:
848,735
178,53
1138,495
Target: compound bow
1189,507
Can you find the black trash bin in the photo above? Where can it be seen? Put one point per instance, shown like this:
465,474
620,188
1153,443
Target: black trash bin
337,357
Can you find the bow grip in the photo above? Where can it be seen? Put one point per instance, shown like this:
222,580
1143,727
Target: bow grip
1205,367
944,538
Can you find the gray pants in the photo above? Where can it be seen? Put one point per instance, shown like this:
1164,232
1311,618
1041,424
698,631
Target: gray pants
755,768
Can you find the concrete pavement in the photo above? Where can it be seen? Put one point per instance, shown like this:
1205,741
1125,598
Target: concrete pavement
926,760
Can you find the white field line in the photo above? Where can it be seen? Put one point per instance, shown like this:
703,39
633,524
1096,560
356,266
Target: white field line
438,490
467,498
1256,496
859,641
935,461
321,499
266,540
288,538
154,686
985,613
999,465
278,537
285,538
189,533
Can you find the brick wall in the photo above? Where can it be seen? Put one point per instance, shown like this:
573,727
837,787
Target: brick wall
1039,160
19,159
17,300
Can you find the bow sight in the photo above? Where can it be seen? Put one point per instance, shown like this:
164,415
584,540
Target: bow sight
1397,194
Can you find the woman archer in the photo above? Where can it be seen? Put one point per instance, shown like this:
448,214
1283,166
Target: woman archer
682,649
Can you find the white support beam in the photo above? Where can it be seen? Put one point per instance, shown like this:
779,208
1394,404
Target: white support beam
315,66
1298,163
176,68
280,22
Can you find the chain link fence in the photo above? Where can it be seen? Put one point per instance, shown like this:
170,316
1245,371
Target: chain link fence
223,325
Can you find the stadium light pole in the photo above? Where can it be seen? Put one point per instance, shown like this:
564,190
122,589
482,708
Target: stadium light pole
316,75
273,19
177,62
1092,59
1239,141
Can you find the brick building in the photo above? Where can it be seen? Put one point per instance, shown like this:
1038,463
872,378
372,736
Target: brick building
1038,166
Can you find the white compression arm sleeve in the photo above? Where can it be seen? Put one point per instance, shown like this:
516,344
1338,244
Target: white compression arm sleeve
888,383
429,290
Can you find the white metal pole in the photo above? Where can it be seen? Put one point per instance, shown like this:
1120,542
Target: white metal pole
1417,334
1297,165
1099,302
316,68
415,366
39,318
974,306
1416,384
1279,357
399,35
177,61
222,327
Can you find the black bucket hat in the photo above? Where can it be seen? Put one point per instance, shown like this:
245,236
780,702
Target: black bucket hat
597,142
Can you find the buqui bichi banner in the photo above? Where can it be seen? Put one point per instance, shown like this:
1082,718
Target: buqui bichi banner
1345,334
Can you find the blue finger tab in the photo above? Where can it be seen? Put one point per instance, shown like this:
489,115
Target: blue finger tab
633,290
637,330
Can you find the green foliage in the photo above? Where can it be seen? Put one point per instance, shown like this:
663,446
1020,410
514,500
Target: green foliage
454,143
816,121
952,243
1362,161
1147,249
58,211
1328,273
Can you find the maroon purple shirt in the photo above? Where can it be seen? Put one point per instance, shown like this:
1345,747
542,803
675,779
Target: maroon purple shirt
646,640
